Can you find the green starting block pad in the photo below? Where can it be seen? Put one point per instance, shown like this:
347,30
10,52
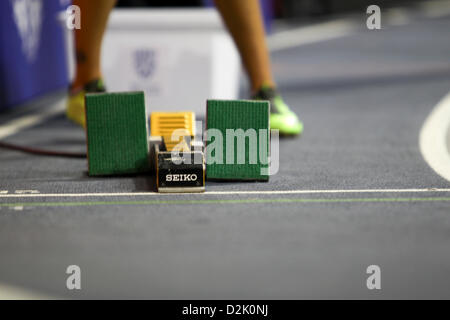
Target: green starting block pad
117,133
245,133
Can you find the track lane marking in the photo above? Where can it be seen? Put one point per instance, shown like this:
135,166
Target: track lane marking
268,192
8,292
433,138
231,201
435,8
310,34
27,121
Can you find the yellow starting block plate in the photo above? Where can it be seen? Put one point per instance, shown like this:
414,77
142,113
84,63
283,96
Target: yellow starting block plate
165,124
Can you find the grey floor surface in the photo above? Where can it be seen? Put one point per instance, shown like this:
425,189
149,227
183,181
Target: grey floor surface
363,99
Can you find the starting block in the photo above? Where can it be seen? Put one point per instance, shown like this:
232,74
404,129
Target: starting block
176,157
238,136
172,126
241,153
117,133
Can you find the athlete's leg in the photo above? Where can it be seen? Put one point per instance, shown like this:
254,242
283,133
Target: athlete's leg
88,40
243,19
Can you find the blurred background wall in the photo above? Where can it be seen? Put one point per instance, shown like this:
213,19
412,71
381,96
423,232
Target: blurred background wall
280,8
313,8
32,59
32,50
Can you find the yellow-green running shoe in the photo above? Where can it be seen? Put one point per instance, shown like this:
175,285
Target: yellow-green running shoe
75,109
281,117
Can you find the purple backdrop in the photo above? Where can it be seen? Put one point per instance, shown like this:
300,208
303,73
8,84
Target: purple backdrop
32,51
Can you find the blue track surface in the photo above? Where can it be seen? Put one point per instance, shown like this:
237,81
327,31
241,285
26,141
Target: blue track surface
363,99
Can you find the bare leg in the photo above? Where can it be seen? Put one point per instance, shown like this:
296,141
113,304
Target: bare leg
243,19
88,40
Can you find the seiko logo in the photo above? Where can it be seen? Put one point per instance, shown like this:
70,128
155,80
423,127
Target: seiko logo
181,177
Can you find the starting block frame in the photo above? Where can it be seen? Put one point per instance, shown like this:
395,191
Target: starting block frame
181,171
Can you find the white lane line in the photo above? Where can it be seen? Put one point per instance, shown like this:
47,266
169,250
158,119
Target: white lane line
14,293
435,8
24,122
397,16
343,27
310,34
269,192
433,138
